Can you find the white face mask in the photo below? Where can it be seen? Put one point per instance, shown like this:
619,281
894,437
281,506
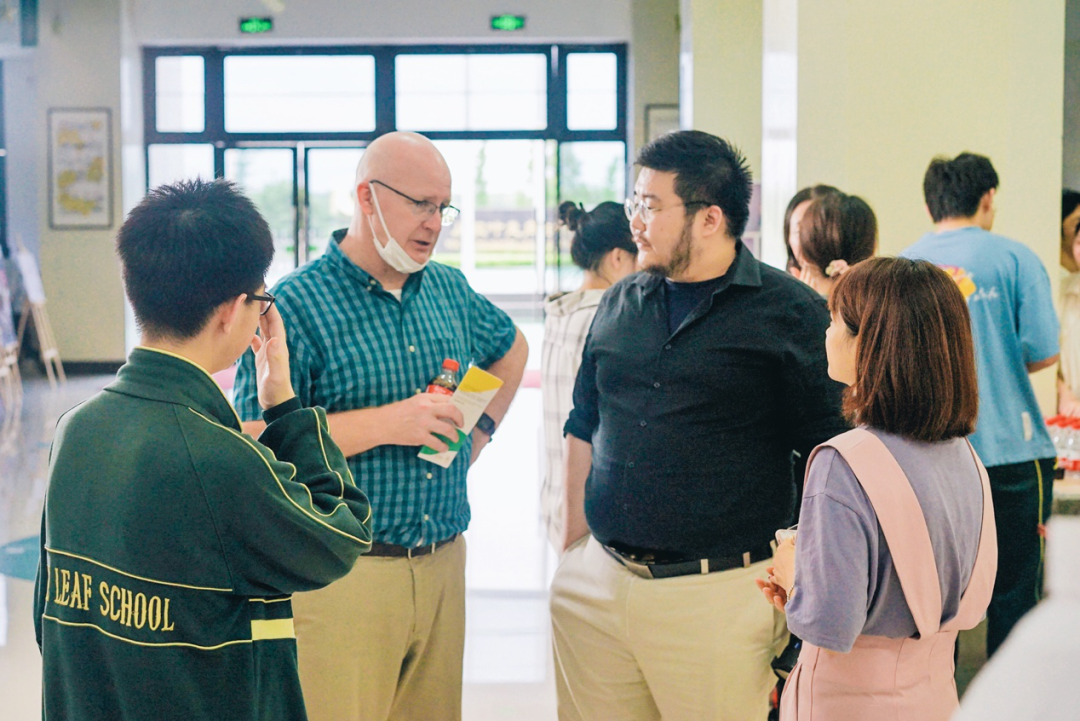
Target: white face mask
392,253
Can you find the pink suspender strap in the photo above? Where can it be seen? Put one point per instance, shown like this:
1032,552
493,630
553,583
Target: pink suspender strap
902,523
981,584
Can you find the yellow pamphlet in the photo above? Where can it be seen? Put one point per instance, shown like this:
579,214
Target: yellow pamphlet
472,397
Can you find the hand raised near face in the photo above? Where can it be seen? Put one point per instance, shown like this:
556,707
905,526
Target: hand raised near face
272,361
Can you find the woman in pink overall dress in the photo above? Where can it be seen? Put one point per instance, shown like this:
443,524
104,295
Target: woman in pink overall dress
896,550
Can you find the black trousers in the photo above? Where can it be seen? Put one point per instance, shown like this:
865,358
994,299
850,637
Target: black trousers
1023,495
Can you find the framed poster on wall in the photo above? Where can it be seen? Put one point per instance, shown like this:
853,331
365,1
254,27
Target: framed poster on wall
80,168
660,119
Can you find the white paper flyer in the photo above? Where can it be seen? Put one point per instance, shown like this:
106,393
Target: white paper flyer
472,396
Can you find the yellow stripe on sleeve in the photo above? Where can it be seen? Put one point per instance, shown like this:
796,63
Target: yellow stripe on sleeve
268,630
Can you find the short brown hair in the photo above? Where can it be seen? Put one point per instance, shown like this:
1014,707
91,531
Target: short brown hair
837,227
915,358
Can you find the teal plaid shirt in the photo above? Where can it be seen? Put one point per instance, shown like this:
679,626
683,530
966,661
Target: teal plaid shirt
353,345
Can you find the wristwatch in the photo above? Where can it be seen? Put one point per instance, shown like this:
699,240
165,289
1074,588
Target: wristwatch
486,424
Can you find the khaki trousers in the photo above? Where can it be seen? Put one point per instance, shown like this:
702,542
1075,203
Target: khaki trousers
386,642
684,649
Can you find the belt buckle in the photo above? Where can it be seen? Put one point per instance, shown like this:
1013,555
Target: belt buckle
418,550
641,570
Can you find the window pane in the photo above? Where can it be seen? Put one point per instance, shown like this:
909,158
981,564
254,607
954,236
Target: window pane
330,175
266,177
591,84
170,163
299,93
471,92
589,173
181,94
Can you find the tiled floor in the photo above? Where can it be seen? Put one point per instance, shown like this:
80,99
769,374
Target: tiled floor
508,667
25,435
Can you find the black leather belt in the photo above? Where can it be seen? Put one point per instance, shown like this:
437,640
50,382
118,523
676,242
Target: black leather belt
389,550
654,569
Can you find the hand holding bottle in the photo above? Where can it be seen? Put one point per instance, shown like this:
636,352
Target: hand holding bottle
778,587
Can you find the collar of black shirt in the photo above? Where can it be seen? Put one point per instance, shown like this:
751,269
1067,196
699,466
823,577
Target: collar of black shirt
744,270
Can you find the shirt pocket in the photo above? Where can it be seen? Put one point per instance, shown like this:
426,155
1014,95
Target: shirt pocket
447,332
454,347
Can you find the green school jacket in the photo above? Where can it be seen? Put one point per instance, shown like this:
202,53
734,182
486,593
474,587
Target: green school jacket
171,543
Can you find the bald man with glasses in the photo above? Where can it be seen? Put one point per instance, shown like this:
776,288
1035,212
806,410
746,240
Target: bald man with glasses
370,323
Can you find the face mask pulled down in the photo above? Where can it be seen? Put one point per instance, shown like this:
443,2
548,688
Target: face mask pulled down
392,253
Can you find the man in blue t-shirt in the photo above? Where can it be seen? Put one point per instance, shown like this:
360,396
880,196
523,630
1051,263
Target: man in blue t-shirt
1016,333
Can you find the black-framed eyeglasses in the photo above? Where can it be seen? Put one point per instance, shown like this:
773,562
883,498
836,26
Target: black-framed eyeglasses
425,208
265,301
633,207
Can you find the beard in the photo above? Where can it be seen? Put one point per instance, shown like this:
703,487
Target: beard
680,255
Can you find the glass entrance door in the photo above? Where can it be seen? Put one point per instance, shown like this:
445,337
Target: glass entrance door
303,192
329,174
503,187
500,236
268,177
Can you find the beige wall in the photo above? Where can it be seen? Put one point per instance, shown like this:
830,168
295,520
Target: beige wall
722,45
979,75
654,60
76,65
779,123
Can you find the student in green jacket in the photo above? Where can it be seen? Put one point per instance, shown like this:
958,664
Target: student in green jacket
170,540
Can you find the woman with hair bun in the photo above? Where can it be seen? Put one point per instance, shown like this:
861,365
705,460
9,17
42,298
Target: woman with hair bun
836,232
604,249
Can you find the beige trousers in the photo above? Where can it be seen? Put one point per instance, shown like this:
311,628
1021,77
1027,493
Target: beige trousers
684,649
386,642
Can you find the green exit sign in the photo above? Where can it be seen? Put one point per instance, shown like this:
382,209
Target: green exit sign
508,22
256,25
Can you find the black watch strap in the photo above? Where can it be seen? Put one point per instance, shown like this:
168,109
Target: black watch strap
486,424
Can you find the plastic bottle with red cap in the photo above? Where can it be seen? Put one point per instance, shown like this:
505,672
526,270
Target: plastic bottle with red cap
1065,435
1072,450
1055,426
446,382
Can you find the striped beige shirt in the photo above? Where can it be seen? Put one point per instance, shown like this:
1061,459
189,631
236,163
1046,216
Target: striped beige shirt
568,318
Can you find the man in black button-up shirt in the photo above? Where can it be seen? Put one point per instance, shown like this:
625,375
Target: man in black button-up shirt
700,378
